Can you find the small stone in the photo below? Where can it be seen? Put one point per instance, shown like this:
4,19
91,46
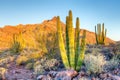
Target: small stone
82,73
102,76
93,78
40,77
109,75
52,74
116,77
115,72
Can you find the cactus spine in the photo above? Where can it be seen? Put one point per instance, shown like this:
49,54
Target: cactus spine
100,34
72,55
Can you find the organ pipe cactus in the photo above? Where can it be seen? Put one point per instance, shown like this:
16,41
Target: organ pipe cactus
100,34
72,53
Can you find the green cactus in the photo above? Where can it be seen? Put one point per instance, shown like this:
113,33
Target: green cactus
73,54
67,40
61,44
71,40
77,42
100,34
82,51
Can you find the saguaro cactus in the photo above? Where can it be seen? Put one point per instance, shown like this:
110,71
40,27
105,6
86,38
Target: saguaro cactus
100,34
73,54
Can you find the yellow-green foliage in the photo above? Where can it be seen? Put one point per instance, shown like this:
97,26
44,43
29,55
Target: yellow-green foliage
36,55
52,44
21,59
40,38
18,43
73,54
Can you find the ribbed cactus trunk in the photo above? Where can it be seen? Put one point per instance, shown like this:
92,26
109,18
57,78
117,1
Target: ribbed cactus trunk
71,40
100,34
82,51
67,40
77,42
61,44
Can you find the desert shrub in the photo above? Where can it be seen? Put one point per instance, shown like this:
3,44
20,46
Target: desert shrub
21,60
50,64
112,64
36,55
40,39
45,65
94,63
52,44
118,55
93,50
18,43
29,66
38,69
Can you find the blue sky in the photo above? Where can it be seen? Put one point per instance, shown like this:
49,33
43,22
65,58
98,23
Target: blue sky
90,12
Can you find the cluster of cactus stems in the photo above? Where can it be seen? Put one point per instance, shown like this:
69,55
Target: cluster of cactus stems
72,53
100,34
18,43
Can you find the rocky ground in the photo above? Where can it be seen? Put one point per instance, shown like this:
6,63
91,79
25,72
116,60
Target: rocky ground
53,69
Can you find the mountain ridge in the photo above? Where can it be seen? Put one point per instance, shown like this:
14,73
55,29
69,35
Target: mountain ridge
47,26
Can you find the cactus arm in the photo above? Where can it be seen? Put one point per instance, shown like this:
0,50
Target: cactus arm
71,41
96,36
82,51
77,42
67,39
61,44
103,34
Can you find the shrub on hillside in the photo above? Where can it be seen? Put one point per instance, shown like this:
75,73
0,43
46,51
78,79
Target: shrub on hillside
18,43
40,39
52,44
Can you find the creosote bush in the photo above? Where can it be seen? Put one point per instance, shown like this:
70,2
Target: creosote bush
94,64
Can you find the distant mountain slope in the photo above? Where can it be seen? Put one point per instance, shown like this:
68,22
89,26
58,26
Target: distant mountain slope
46,27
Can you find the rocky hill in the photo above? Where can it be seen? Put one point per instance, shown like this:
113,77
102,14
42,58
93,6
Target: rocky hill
28,30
